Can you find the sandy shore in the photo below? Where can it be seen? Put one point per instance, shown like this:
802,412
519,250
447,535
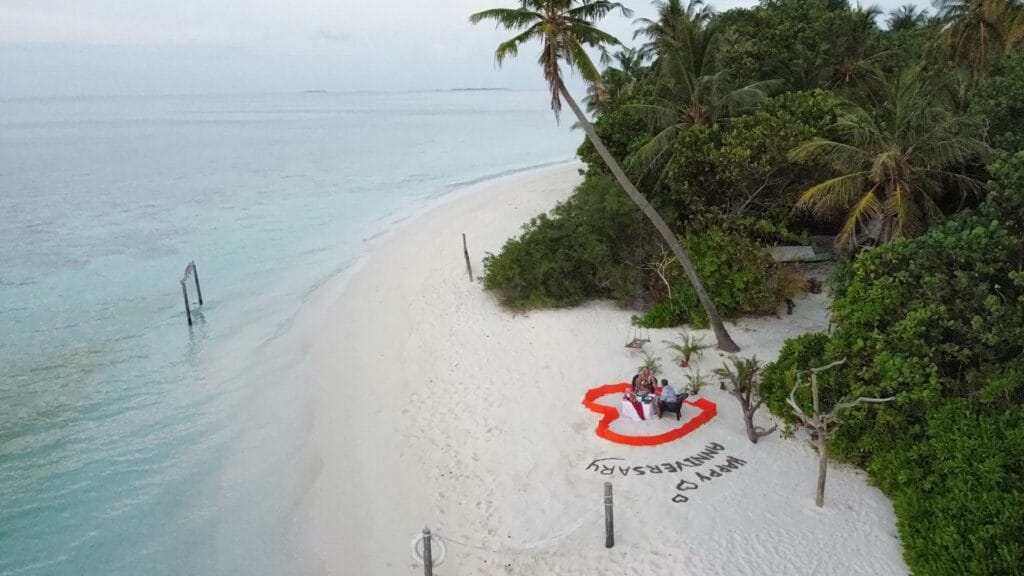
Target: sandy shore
440,408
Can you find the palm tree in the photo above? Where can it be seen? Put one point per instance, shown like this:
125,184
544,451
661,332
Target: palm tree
980,31
858,49
564,28
906,18
695,95
617,81
671,26
894,163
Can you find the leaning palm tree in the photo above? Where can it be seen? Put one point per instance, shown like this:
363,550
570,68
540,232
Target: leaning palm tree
565,28
894,163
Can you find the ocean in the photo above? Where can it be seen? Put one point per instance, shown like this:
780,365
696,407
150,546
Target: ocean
131,443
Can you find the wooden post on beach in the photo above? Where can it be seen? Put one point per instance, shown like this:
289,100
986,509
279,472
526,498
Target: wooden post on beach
428,562
195,274
465,252
188,311
609,523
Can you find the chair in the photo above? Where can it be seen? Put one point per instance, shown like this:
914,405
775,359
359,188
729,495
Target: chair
672,407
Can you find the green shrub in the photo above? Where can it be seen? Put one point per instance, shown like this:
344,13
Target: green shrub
1000,101
738,274
800,353
583,250
937,322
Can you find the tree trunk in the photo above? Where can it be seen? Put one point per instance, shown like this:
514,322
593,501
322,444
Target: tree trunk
725,342
748,419
819,499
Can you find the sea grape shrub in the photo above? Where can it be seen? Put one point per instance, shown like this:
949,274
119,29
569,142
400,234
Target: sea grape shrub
1005,201
937,322
739,275
742,169
581,251
800,353
623,132
957,492
592,246
798,41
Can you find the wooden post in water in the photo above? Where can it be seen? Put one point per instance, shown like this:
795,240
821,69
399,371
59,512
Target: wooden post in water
465,252
188,311
609,522
428,561
195,274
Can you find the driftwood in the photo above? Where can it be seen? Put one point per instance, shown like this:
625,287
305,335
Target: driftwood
823,424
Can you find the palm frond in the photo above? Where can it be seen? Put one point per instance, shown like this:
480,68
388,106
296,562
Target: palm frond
576,57
655,153
598,9
903,210
839,155
867,209
509,18
834,195
510,48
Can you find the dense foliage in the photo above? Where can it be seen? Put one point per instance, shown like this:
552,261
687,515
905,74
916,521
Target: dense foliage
586,248
937,322
759,126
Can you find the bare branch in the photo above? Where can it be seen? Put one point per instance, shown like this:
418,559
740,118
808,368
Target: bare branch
842,405
826,367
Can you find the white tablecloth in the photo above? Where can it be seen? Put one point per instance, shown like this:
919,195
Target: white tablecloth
629,411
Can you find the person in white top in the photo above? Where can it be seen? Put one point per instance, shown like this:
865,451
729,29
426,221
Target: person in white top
669,400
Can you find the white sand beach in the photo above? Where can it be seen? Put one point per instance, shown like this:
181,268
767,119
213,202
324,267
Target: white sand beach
439,408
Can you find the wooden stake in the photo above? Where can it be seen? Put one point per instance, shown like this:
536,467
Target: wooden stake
428,562
465,252
609,522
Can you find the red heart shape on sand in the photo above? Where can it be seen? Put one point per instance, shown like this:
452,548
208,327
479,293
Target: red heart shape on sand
708,410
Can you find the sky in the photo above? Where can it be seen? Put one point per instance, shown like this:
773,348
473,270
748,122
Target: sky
61,48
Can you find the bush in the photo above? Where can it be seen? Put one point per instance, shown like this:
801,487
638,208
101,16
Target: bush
597,244
582,251
739,275
1000,101
937,322
800,353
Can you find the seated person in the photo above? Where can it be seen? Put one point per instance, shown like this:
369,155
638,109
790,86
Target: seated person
670,401
644,382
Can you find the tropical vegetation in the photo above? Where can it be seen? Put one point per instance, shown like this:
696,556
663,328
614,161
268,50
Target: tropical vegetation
901,137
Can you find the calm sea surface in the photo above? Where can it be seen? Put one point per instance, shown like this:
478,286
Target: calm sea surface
129,443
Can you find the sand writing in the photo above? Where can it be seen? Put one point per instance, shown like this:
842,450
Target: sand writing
701,468
614,467
717,471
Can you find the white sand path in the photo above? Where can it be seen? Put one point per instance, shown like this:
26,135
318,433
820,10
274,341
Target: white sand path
440,408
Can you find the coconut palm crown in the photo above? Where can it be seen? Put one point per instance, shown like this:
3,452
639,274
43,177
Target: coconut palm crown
565,29
894,161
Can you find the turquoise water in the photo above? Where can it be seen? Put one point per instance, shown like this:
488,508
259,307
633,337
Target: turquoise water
130,443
